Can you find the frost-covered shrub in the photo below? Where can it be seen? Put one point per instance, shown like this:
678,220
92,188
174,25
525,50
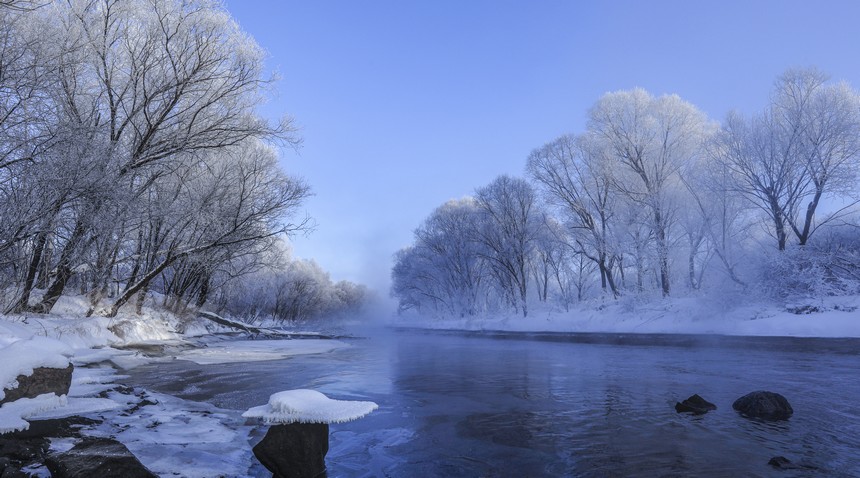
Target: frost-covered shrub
827,266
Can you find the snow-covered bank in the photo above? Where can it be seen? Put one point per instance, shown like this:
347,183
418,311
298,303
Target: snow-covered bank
170,436
829,317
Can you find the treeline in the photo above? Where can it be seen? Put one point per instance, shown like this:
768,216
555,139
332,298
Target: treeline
653,198
132,159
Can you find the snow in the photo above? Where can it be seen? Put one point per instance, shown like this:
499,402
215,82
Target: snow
174,437
13,414
85,382
22,356
258,350
93,381
834,317
309,406
75,407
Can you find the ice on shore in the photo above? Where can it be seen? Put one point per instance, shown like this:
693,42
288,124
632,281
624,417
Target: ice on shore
257,350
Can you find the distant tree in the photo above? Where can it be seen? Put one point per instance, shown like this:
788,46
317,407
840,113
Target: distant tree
443,270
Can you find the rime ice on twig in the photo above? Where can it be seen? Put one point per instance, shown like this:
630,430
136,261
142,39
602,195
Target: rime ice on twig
309,406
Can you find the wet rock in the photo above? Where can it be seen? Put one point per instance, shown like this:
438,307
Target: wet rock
12,472
43,380
782,463
17,453
23,450
294,450
764,405
55,428
695,405
97,457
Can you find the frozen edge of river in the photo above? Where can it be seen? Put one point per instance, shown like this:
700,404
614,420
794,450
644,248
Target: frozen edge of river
832,317
169,435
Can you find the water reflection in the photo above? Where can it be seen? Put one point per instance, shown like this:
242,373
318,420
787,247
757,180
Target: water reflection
563,406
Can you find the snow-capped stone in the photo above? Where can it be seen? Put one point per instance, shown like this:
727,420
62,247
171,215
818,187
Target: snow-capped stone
22,357
309,406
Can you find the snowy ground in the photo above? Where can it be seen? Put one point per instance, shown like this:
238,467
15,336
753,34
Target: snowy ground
172,437
829,317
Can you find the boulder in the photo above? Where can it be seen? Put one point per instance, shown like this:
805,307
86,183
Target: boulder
97,457
763,405
782,463
695,405
294,450
22,451
43,380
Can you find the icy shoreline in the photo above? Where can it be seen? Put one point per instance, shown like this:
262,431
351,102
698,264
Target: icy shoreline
165,432
837,317
169,435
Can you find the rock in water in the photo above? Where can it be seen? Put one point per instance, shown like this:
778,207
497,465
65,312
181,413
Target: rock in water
294,450
43,380
782,463
763,405
695,405
97,457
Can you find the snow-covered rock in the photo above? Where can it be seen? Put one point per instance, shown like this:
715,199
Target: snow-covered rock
13,414
22,357
309,406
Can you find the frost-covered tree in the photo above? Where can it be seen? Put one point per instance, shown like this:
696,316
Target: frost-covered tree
291,291
237,196
649,139
510,226
574,174
443,270
802,148
153,84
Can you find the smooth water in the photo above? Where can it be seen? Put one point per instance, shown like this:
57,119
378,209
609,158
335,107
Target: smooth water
454,404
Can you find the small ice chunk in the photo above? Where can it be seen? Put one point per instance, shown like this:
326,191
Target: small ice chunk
309,406
77,407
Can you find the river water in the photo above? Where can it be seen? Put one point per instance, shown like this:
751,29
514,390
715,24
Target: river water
482,405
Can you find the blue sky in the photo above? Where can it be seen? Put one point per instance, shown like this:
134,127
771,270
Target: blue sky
405,104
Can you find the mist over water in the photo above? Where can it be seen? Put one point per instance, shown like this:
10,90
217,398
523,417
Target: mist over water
560,405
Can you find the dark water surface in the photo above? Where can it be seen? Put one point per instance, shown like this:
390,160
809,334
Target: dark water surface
454,404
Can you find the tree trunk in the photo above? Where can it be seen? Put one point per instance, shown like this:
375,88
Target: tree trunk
24,301
663,252
204,292
803,236
141,299
143,282
64,271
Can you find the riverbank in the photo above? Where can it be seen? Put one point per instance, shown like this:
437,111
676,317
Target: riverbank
169,435
830,317
177,437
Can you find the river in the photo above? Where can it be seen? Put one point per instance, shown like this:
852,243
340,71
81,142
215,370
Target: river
458,404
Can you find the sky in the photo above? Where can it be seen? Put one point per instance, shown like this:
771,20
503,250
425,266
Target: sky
404,105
